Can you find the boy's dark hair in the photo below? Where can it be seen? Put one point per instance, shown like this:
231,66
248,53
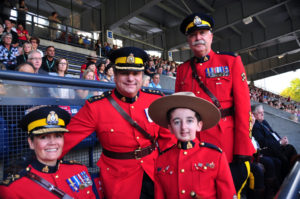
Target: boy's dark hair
36,39
171,110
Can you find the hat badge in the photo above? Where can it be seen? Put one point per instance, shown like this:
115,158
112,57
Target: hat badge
130,59
52,118
197,21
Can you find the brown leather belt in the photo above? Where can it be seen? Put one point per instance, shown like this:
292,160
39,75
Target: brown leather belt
136,154
227,112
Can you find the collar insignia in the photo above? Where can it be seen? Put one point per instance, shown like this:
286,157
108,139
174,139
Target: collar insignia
52,118
45,169
130,59
197,21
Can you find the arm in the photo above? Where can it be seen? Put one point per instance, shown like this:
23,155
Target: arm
165,139
224,183
242,133
80,126
178,80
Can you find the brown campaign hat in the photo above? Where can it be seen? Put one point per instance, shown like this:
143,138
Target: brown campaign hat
209,113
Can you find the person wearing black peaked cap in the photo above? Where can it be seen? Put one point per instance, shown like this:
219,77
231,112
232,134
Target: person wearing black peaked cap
220,78
126,132
46,176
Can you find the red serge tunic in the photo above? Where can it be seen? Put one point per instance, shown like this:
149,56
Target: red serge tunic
20,186
120,178
201,169
224,75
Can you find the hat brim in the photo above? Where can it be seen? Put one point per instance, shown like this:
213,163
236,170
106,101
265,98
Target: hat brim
129,68
210,114
197,28
43,131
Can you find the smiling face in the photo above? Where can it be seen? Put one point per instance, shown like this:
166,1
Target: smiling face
47,147
128,83
200,42
184,124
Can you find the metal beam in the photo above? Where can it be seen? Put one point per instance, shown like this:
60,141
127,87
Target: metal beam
178,7
170,10
260,22
190,11
236,30
132,13
206,6
139,41
151,22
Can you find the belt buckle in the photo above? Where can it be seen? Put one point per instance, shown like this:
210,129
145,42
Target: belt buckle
138,153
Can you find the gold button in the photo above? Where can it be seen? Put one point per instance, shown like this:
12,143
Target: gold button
183,191
218,79
137,137
132,107
88,192
198,92
185,153
200,64
111,130
56,176
182,170
107,169
142,161
204,167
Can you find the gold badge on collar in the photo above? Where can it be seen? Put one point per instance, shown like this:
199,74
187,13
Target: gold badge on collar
197,21
45,169
243,76
52,118
130,59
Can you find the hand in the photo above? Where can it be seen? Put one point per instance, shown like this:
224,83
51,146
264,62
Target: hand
284,141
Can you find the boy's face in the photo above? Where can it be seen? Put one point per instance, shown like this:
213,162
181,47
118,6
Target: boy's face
184,124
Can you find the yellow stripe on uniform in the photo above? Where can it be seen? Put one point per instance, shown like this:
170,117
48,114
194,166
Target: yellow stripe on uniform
251,181
43,122
123,60
192,25
247,163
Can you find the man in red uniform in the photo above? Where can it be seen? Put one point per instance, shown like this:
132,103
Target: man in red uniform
221,79
127,161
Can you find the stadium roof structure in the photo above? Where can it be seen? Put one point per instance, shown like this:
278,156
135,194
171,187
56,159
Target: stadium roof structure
264,33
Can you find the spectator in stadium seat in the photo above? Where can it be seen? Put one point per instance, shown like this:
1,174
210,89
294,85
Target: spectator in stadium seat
1,32
86,42
48,60
61,68
8,53
205,167
35,42
9,29
25,67
109,74
23,35
155,82
101,71
107,48
53,20
150,68
146,81
86,94
92,57
92,66
45,128
127,159
35,58
221,79
271,142
27,47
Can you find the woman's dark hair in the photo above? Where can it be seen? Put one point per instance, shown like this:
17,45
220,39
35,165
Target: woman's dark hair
58,61
90,63
35,38
198,117
108,67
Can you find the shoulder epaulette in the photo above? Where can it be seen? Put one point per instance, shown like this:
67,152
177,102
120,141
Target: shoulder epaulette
70,162
227,53
211,146
153,91
13,177
99,97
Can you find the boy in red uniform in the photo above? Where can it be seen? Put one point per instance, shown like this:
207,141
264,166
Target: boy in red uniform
192,169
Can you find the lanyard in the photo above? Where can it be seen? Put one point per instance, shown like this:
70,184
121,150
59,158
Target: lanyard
51,65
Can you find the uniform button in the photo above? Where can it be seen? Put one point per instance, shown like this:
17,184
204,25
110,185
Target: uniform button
218,79
142,161
132,107
200,64
56,176
137,137
198,92
205,167
185,153
182,170
88,192
107,169
112,130
183,191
